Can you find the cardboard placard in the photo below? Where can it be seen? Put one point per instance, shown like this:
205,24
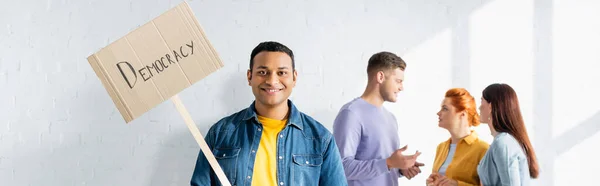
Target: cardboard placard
154,63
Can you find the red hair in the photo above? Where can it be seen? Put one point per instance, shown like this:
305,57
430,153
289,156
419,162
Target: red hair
462,100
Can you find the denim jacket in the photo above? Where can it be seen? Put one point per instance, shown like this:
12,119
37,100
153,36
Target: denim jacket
306,151
505,163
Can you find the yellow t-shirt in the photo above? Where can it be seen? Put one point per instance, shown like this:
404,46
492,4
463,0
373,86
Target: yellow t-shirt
265,165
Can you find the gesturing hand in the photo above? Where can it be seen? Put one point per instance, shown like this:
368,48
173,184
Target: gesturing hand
400,161
412,171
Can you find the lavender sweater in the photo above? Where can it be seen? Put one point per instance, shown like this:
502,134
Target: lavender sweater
366,135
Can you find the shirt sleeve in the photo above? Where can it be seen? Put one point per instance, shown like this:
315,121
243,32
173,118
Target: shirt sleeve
400,175
347,131
332,172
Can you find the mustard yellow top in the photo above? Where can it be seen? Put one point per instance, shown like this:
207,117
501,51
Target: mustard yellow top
265,165
463,167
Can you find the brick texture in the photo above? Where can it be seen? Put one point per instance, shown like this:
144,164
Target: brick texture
59,127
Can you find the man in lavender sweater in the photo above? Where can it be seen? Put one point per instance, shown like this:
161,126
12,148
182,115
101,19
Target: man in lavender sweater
367,134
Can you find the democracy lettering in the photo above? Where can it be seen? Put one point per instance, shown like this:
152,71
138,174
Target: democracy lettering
158,66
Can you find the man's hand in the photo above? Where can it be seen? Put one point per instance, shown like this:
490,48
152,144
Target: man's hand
397,160
413,171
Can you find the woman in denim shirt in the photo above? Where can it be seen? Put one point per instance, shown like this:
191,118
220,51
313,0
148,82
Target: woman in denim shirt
510,160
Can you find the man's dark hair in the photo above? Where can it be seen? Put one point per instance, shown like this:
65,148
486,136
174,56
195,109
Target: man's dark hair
384,61
271,46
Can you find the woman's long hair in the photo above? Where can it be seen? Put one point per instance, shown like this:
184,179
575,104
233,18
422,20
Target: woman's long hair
506,117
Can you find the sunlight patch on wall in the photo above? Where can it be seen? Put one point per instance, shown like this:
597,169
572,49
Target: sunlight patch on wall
576,166
576,39
502,52
427,77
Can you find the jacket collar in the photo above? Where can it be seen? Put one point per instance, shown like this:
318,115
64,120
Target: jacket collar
294,117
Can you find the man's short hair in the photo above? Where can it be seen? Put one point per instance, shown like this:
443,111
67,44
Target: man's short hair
271,46
385,61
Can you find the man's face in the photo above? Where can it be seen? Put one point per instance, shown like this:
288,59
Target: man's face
272,78
392,84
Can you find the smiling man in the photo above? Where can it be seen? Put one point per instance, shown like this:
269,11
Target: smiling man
367,133
271,142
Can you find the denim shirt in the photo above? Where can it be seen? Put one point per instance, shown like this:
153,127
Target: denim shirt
306,151
505,163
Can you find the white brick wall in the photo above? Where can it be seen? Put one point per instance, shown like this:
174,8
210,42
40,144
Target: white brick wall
59,127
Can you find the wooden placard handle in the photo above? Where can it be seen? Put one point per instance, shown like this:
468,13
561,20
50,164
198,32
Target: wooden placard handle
200,139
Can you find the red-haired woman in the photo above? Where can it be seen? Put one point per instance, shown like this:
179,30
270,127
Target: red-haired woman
510,159
456,159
